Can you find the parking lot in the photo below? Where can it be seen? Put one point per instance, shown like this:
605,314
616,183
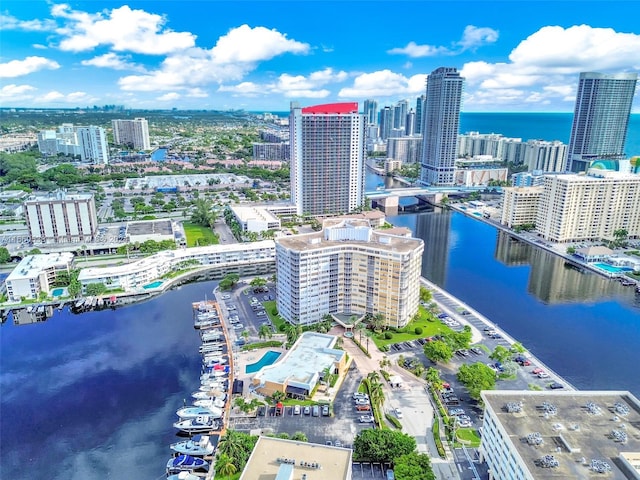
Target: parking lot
341,426
245,311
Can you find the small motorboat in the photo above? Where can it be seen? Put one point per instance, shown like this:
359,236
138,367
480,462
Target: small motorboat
186,463
193,412
215,402
202,424
198,446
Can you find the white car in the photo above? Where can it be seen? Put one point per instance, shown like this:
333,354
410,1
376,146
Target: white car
366,418
398,412
238,326
296,409
543,375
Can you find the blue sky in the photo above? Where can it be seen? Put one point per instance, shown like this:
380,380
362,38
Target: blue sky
514,55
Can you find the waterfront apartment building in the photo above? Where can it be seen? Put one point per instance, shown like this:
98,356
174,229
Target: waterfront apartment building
93,144
348,268
35,274
589,207
549,156
520,205
440,125
327,158
528,179
537,435
133,134
600,118
254,258
405,149
61,218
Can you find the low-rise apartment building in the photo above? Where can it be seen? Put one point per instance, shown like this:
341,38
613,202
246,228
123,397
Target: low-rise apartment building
35,274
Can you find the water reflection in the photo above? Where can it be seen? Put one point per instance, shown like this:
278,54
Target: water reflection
551,279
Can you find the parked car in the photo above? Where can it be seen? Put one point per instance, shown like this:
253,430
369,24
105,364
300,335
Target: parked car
398,412
362,401
366,419
363,408
555,386
325,410
238,326
296,409
307,410
315,411
456,411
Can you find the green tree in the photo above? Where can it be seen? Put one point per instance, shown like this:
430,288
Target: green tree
378,445
95,289
229,281
377,322
425,294
225,465
477,377
432,376
413,466
517,347
438,351
203,213
265,332
258,282
278,396
620,236
5,256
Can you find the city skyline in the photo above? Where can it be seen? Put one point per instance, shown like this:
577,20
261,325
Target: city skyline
206,55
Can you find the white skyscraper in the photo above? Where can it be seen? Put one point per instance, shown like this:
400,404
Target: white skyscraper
600,118
132,133
327,158
440,124
93,144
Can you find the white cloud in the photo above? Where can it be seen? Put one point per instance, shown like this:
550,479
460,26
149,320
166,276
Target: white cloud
16,92
114,61
544,67
74,98
169,97
234,56
249,45
10,22
384,83
196,93
472,38
244,88
17,68
413,50
122,29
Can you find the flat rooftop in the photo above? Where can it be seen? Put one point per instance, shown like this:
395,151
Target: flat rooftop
158,227
246,213
32,265
334,462
182,181
308,357
362,235
580,430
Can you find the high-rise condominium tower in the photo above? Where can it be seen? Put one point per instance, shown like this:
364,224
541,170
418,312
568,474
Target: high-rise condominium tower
419,108
440,124
327,158
371,111
132,133
600,118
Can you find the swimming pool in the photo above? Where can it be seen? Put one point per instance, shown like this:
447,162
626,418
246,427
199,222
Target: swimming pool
611,268
57,292
267,359
155,284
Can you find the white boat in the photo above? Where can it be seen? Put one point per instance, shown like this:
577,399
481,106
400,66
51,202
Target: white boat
216,402
194,412
184,475
202,424
210,348
212,335
186,463
198,446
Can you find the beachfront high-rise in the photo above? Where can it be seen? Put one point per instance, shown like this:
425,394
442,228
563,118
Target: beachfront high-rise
132,133
600,119
440,124
349,269
327,158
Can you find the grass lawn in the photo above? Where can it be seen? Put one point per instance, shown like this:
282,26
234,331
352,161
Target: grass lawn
276,320
468,436
425,321
195,233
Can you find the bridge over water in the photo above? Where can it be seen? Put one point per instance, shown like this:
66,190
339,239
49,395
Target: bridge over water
388,198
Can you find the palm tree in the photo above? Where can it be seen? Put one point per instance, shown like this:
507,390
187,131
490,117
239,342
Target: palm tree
265,332
231,445
245,335
292,332
225,465
278,396
376,393
433,377
374,378
378,322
